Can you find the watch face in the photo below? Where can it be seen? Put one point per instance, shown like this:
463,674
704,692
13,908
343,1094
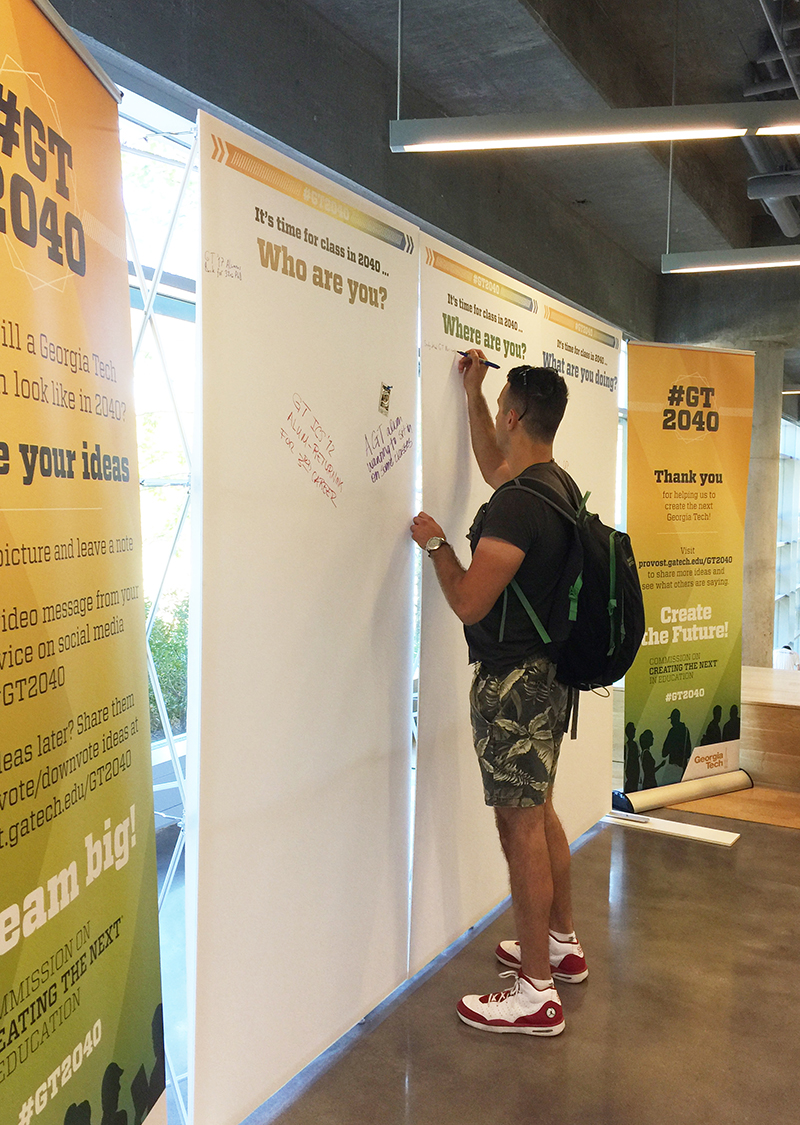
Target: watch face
433,543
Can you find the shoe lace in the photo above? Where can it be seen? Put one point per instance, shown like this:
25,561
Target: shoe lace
494,997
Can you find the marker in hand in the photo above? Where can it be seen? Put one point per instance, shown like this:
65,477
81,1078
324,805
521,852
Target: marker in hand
485,362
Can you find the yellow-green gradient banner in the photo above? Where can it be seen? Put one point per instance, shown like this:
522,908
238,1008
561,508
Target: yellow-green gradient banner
80,1014
689,419
240,160
591,331
487,285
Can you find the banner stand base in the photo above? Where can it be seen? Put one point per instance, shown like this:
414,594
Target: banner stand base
681,791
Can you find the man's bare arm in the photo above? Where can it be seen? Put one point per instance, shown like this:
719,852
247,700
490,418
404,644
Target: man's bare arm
491,462
470,593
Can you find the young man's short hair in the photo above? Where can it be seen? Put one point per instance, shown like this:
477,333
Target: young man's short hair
539,396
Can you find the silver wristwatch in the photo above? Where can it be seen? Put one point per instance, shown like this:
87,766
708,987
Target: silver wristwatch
434,543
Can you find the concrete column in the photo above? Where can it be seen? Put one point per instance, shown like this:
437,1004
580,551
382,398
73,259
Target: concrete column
761,524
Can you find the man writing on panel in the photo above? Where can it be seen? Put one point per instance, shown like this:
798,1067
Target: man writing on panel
518,708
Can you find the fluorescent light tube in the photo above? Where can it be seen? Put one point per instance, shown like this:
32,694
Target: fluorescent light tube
573,139
785,129
717,261
639,125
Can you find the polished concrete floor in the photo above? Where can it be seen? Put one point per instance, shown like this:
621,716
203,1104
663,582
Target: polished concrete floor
690,1015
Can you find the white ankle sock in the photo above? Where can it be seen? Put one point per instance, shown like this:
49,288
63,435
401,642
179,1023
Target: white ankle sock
540,984
563,938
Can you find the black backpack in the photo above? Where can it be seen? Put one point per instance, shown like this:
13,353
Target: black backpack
597,622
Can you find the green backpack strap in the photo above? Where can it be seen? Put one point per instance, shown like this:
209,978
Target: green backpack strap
503,615
526,605
575,588
574,594
554,501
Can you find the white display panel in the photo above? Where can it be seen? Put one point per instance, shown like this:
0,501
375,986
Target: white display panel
459,872
309,320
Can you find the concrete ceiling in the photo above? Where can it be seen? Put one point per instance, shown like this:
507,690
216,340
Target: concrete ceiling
489,56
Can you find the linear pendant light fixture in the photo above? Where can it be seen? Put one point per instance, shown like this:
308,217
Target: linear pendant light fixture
594,127
718,261
618,126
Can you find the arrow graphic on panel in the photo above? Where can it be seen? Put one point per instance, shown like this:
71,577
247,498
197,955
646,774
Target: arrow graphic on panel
219,152
245,162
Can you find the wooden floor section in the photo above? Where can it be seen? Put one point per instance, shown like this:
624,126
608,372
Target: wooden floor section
761,805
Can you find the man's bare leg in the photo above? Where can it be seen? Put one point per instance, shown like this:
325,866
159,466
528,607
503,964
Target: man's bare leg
558,849
538,857
525,844
532,1006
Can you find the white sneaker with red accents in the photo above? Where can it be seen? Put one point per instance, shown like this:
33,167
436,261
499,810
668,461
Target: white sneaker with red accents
567,961
523,1008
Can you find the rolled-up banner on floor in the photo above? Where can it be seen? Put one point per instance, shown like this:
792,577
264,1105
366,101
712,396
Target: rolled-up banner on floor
681,791
80,1006
689,421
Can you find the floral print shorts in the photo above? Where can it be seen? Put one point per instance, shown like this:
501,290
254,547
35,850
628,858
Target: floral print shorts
518,721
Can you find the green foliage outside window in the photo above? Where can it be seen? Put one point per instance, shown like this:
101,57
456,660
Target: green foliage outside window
168,644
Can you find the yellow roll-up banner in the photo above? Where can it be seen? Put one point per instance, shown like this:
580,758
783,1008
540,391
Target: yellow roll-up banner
689,421
80,1006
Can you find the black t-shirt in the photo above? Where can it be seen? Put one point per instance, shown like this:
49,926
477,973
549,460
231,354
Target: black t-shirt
530,523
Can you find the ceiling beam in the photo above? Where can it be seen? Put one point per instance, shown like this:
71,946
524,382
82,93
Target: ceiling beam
600,51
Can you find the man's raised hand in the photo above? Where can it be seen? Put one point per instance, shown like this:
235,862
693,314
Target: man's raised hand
473,368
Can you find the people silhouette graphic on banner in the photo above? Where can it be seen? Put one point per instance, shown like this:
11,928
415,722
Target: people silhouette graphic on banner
713,730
